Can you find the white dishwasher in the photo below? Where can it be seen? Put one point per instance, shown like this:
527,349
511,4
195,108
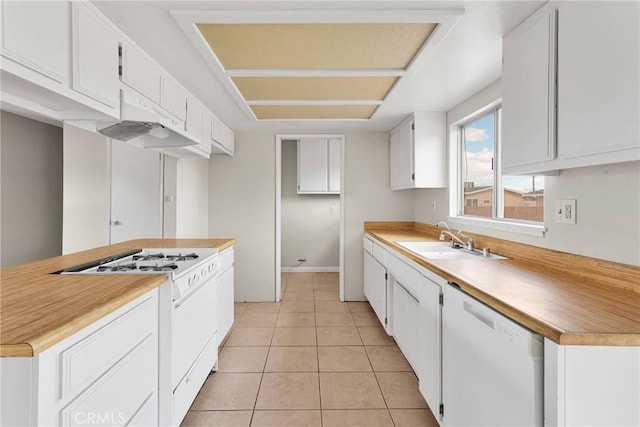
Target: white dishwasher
492,366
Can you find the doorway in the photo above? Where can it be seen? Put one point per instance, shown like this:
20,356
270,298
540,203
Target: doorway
283,144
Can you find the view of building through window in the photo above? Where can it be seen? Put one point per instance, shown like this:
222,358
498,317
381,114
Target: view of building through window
519,197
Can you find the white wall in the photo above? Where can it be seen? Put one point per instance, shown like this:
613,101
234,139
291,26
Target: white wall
310,229
169,195
192,198
30,190
608,203
86,190
242,206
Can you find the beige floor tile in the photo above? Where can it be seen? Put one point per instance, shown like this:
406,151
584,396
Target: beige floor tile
326,277
358,306
256,337
297,278
217,419
283,337
290,390
226,391
290,295
343,359
338,336
334,319
356,418
387,358
242,359
239,307
375,335
292,359
326,287
331,307
263,307
299,286
413,418
365,318
256,320
350,390
400,390
293,306
296,320
287,419
326,295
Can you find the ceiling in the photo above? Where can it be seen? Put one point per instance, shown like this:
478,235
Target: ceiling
365,72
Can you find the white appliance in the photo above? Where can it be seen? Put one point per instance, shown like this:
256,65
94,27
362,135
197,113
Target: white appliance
492,367
188,343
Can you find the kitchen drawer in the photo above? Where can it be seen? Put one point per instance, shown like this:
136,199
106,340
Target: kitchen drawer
187,390
121,393
226,259
367,244
402,272
379,253
88,359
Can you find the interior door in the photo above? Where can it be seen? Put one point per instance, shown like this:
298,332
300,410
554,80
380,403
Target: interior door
136,193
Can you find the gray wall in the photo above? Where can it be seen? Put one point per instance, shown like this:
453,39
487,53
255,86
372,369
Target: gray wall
242,205
30,190
192,198
607,211
309,228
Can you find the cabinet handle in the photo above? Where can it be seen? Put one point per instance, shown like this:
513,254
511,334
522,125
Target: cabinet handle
478,315
408,293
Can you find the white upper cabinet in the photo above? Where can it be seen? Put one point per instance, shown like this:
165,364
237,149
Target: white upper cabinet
599,81
193,122
173,97
221,137
528,92
319,166
140,72
37,35
95,56
418,156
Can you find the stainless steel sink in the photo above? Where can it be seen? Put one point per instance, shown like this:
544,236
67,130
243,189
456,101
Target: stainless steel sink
443,250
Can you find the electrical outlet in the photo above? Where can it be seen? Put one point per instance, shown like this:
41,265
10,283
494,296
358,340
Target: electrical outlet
565,212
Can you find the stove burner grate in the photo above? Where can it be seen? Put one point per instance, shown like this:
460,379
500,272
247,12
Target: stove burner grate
120,267
181,257
165,267
148,257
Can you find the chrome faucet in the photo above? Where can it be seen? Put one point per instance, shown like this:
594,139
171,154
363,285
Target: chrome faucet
468,244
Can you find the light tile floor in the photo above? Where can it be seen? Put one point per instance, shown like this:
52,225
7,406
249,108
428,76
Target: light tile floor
309,361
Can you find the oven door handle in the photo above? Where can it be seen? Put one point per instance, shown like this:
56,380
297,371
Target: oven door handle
194,291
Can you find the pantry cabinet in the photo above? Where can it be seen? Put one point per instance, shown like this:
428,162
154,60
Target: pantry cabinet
418,156
37,35
87,377
598,81
95,56
319,166
528,92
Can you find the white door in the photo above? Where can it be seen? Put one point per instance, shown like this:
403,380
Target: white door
136,193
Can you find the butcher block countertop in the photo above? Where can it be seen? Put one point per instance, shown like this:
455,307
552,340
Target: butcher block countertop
39,309
570,299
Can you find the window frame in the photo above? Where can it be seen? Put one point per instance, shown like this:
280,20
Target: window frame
456,179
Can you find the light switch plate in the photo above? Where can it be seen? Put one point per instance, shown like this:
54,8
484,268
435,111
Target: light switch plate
565,212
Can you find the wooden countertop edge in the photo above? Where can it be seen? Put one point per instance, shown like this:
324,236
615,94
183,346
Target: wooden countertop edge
36,344
555,334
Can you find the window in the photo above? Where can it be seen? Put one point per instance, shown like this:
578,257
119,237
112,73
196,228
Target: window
516,198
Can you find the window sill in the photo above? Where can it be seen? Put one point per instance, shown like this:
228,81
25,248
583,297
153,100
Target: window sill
505,226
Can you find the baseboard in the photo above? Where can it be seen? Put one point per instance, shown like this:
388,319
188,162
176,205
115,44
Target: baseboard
310,269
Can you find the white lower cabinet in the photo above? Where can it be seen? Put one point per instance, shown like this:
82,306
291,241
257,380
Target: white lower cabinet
225,293
105,374
375,283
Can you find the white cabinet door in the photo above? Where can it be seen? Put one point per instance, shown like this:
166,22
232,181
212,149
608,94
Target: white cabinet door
312,165
136,197
95,57
37,35
406,324
140,73
193,123
430,343
173,97
375,286
598,69
404,170
225,302
334,165
528,92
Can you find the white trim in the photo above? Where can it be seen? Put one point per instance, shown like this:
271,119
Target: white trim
310,269
393,72
316,102
499,225
278,208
